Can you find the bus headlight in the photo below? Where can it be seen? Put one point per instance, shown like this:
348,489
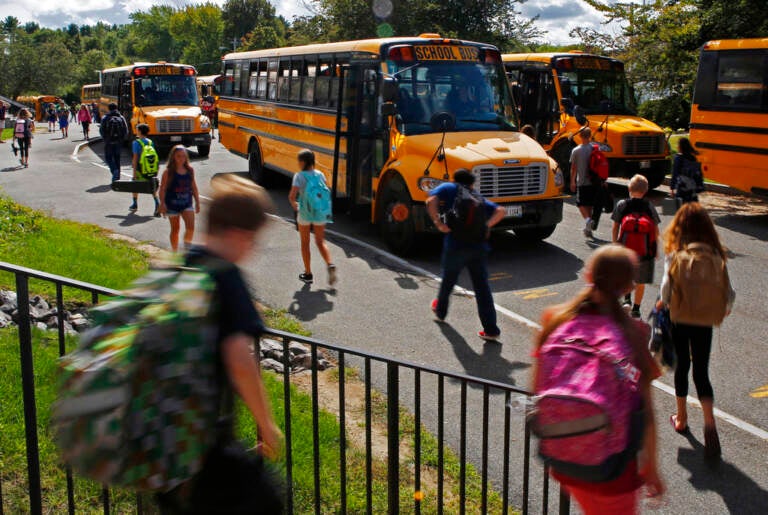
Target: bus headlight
559,179
604,147
205,122
427,184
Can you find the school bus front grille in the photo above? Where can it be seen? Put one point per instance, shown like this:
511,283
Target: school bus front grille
516,181
636,145
165,125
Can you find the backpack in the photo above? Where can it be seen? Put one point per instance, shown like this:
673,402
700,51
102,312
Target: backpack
149,161
21,129
690,180
139,398
467,218
598,163
114,129
315,199
588,409
700,286
637,231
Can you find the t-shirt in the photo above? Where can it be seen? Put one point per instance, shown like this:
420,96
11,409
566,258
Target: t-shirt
446,195
300,181
635,205
580,157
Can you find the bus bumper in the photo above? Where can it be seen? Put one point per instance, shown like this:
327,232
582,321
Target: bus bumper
188,140
532,213
626,167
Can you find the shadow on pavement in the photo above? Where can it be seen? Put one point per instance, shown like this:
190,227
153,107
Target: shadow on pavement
102,188
488,364
755,226
131,219
307,303
740,493
12,168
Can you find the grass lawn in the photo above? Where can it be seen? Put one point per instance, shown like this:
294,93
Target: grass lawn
6,134
85,252
673,142
33,239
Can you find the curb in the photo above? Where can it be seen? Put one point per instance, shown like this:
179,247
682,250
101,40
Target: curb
81,146
714,187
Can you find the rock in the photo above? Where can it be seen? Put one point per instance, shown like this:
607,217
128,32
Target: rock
8,300
274,354
5,317
323,364
40,303
41,326
296,349
302,360
271,364
79,322
43,315
267,345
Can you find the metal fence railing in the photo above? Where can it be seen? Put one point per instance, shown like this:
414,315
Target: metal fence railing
466,417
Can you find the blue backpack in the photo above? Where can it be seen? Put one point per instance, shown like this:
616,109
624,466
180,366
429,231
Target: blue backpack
315,199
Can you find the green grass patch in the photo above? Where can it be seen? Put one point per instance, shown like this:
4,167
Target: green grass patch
673,142
35,240
282,321
6,134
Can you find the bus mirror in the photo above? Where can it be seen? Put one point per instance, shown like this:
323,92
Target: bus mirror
389,89
581,118
388,109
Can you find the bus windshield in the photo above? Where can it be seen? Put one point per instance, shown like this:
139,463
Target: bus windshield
164,90
476,96
598,91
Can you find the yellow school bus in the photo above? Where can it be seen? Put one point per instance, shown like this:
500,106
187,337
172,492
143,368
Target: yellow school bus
390,119
90,93
162,95
39,104
729,116
559,93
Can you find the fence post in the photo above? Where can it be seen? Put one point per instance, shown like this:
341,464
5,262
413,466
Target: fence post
393,439
28,391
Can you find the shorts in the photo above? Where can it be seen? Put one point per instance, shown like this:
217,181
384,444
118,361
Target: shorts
585,195
645,271
173,212
301,221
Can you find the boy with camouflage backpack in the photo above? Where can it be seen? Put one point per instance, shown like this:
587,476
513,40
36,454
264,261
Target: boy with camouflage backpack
146,399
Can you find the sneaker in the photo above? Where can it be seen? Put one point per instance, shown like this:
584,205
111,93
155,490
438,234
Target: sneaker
332,274
434,310
488,337
307,278
635,313
133,207
157,212
587,232
593,225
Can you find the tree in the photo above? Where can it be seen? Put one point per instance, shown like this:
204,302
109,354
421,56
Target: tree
266,35
243,16
721,19
198,30
150,35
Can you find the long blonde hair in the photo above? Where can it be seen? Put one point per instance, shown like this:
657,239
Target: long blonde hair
692,224
612,270
171,164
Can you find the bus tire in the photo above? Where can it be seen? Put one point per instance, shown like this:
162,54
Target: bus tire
562,154
203,150
256,170
534,234
655,178
396,221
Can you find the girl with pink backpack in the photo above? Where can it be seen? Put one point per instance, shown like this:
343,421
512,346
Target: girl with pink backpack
592,379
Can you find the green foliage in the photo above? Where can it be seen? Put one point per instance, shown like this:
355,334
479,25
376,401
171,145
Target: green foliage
672,111
198,30
150,36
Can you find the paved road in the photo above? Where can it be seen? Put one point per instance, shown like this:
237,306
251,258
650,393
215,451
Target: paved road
382,305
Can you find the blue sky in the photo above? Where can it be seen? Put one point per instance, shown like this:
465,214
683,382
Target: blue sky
557,17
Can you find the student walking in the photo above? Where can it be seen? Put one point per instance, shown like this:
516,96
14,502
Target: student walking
145,164
310,199
113,130
687,180
636,226
51,114
465,218
598,435
23,132
581,180
179,197
697,289
64,122
84,117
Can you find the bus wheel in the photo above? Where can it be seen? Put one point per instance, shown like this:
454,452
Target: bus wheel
562,154
655,178
397,227
532,234
203,150
256,170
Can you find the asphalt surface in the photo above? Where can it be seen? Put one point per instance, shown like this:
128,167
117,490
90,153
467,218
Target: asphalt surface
381,305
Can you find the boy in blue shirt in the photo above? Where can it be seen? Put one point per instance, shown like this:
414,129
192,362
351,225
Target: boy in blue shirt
459,254
139,174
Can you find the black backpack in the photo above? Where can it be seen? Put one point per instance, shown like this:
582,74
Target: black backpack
115,128
467,217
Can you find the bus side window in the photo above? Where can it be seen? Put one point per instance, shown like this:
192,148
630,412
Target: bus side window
323,88
253,80
236,78
228,86
283,82
272,79
297,71
308,81
261,90
336,80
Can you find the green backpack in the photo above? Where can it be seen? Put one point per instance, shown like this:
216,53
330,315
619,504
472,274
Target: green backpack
139,398
149,161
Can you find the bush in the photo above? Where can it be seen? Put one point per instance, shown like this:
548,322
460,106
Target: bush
673,111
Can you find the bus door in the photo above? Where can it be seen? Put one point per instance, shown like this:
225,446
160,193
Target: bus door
124,99
538,103
363,136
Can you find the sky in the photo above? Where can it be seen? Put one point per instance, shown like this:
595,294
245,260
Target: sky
557,17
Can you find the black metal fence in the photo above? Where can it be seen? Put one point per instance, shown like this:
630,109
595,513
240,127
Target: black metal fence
470,419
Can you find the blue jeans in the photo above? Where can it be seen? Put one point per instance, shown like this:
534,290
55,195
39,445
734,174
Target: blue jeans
112,158
476,262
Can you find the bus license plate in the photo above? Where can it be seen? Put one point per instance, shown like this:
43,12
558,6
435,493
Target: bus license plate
644,165
175,138
514,211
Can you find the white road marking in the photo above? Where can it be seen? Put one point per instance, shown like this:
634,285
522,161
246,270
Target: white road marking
726,417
